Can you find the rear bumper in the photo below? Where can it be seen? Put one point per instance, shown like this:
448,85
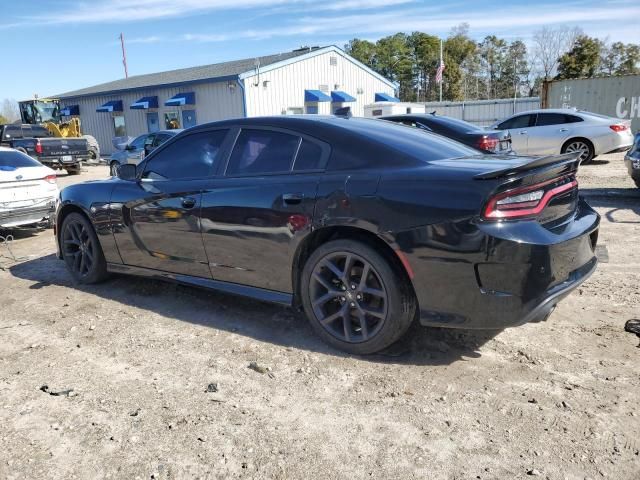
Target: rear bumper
27,216
496,277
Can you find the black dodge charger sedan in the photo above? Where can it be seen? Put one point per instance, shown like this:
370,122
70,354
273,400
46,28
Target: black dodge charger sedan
366,225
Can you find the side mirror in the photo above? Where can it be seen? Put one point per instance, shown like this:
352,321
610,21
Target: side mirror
129,148
127,171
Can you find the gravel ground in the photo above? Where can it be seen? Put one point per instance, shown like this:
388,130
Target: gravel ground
140,379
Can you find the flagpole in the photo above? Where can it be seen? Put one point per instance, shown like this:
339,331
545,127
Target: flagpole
441,79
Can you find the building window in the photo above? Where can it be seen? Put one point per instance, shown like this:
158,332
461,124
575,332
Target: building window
312,109
333,61
119,126
171,120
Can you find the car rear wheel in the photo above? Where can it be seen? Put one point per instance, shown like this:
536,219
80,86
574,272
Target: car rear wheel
75,170
584,148
354,298
81,250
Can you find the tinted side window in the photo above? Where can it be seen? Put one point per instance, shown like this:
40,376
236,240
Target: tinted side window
160,139
545,119
138,143
262,151
310,157
38,131
572,119
192,156
521,121
12,131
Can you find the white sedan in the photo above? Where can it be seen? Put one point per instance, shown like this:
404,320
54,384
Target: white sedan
28,190
553,131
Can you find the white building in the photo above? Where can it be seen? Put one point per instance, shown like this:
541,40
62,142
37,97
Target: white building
308,80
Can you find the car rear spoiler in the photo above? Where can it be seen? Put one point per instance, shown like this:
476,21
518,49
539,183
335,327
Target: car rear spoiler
558,160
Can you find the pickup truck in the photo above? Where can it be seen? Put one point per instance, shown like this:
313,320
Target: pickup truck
57,153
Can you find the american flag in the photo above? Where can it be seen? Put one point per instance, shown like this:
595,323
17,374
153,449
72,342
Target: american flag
439,71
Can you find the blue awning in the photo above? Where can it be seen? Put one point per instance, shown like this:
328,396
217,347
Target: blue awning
338,96
112,106
383,97
188,98
316,96
145,103
70,110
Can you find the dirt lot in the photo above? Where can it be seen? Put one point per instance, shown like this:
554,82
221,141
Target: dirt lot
555,400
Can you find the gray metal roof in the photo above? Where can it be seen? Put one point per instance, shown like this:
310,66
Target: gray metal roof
185,75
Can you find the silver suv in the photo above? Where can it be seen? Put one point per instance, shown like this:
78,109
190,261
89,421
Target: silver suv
552,131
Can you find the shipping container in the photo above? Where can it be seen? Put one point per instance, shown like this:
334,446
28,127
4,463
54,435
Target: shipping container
617,96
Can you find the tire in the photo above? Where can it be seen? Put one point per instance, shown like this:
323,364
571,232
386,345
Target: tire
113,169
637,182
93,153
581,145
349,314
76,170
81,250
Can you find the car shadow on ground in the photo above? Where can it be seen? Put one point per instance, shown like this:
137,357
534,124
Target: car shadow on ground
262,321
614,200
597,161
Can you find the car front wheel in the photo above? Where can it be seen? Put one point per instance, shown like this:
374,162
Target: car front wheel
81,250
582,147
354,298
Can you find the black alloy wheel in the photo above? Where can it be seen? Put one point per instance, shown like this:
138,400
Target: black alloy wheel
81,250
356,299
348,297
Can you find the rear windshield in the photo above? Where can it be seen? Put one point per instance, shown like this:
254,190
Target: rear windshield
10,160
454,123
415,142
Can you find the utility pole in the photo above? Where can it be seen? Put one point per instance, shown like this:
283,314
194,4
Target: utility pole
442,73
124,56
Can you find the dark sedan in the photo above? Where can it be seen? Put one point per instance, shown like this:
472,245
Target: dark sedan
464,132
364,224
632,161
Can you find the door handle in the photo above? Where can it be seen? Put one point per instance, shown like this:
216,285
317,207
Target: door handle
523,133
188,202
292,198
564,129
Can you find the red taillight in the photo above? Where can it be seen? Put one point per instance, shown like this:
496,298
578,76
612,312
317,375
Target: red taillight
527,201
487,143
50,178
38,147
619,127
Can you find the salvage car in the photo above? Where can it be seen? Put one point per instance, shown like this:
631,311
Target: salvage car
459,130
365,225
632,161
553,131
28,190
135,150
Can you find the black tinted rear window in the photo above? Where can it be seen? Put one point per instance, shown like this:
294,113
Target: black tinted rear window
415,142
10,160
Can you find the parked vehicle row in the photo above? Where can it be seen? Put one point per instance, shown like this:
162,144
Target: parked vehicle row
28,190
364,224
55,152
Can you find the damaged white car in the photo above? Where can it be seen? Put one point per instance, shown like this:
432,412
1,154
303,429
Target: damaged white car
28,190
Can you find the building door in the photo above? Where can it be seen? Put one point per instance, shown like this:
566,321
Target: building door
188,118
153,122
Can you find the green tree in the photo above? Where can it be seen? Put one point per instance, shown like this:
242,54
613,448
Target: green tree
362,50
458,49
395,62
425,50
583,60
493,51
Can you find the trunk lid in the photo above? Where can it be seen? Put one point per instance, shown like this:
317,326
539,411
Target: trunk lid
25,187
57,147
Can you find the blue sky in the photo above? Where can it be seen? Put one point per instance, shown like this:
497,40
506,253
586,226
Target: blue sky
55,46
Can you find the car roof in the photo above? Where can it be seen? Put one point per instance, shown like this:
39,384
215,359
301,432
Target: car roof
444,120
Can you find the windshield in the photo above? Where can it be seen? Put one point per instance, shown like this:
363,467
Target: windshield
40,111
